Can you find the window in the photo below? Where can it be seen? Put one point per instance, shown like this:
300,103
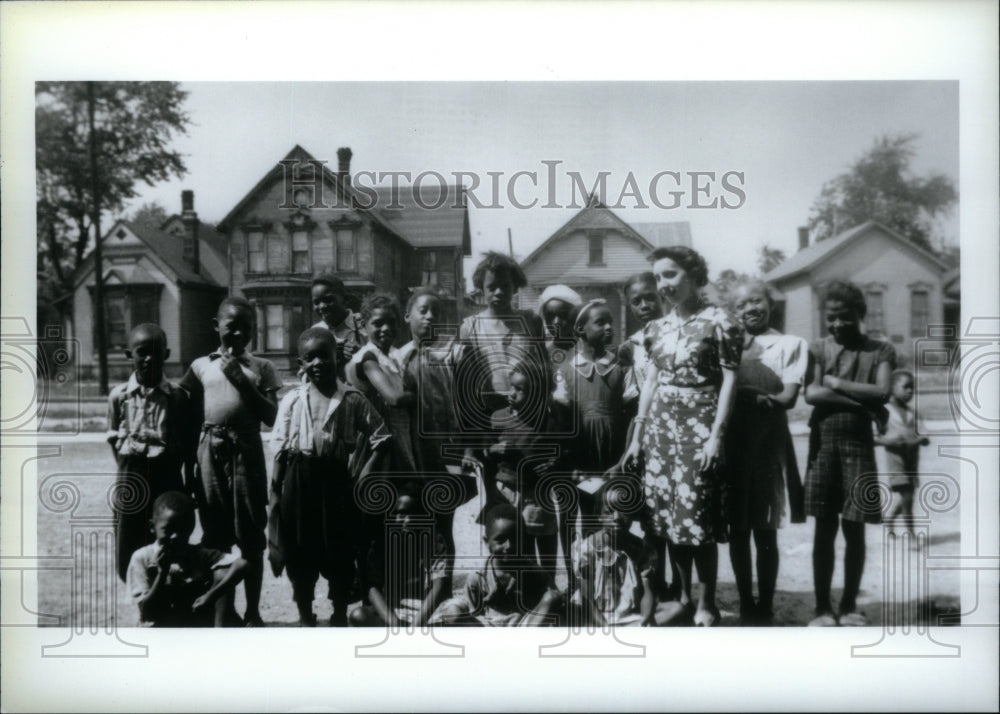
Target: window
875,316
279,258
124,308
428,269
920,311
346,259
596,242
274,328
300,252
116,323
255,252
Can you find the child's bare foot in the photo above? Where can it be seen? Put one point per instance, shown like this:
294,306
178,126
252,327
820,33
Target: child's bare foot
676,613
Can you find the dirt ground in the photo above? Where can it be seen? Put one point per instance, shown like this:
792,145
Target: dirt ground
85,461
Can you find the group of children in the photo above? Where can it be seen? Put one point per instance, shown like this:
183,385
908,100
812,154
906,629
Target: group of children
538,409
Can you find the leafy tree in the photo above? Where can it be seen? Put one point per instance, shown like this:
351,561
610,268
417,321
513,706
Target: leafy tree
725,284
134,124
880,186
94,141
150,214
769,258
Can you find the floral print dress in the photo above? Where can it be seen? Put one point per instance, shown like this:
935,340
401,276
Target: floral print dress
687,505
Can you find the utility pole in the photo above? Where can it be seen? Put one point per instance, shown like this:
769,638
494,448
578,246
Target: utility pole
95,188
510,243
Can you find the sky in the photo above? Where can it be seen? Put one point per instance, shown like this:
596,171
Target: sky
785,138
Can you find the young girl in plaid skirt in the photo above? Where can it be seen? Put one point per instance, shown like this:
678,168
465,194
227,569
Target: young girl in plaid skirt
848,388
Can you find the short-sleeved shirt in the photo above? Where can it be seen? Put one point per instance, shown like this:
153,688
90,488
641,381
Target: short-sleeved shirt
693,351
772,360
860,363
640,364
491,594
189,578
146,421
223,403
498,342
615,571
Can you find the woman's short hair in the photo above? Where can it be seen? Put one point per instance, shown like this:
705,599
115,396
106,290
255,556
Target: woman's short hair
501,266
688,259
847,293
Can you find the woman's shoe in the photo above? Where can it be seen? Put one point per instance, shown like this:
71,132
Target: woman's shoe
825,619
853,619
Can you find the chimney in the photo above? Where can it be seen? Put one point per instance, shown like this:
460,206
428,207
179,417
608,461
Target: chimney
344,155
803,237
190,220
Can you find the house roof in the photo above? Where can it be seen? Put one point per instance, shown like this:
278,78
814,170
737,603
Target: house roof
165,246
808,258
579,221
445,225
665,234
432,227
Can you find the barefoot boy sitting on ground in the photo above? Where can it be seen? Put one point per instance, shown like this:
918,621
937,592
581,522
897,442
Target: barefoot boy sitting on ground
175,583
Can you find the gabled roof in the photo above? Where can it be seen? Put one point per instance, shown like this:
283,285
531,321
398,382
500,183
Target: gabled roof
579,221
168,248
665,234
422,227
207,232
446,225
808,258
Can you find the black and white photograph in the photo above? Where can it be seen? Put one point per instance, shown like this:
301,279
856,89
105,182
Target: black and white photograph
366,366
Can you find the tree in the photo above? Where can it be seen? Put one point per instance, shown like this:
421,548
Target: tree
769,258
134,123
726,283
880,186
150,214
94,141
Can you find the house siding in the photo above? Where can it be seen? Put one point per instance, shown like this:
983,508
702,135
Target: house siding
874,260
566,260
372,257
83,319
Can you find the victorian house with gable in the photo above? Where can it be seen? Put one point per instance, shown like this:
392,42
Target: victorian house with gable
302,219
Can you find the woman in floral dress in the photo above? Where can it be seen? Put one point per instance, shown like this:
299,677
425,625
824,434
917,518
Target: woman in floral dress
683,409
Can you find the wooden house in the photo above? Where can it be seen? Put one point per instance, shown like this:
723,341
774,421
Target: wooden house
174,275
904,285
302,219
593,253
